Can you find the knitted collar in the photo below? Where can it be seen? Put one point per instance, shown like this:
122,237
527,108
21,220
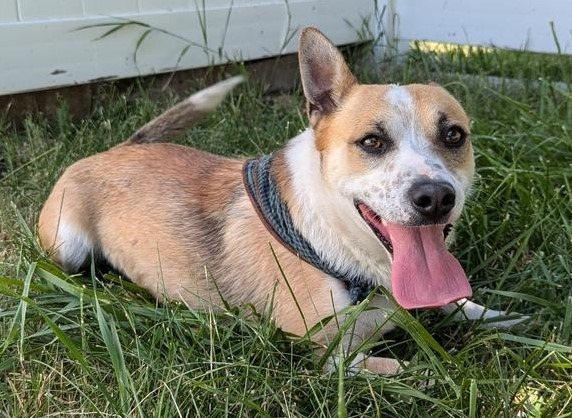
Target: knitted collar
273,211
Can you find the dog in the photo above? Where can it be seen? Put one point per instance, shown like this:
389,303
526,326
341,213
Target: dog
363,199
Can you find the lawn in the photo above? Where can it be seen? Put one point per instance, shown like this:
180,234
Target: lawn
96,345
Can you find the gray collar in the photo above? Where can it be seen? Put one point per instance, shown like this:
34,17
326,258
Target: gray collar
273,211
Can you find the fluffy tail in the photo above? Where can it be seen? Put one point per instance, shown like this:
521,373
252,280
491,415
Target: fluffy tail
185,114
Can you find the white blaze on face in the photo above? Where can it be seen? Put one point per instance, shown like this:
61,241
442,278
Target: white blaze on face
414,149
400,99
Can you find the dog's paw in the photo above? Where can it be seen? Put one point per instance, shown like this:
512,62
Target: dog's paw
502,320
383,366
418,377
465,310
362,363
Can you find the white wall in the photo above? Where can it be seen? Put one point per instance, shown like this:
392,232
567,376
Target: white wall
513,24
41,45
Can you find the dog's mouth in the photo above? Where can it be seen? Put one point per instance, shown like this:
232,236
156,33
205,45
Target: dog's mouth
423,273
376,223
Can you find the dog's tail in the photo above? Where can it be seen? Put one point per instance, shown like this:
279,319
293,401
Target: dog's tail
185,114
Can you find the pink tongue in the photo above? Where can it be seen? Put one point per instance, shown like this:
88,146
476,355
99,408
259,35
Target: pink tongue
424,274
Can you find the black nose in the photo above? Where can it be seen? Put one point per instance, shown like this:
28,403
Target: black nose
432,199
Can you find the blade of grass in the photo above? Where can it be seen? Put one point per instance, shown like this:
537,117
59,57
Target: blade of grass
20,315
342,408
113,345
531,342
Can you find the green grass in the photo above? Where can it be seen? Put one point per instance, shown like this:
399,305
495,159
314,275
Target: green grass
94,345
486,61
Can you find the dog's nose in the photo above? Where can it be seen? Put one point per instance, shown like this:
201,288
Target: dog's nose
432,199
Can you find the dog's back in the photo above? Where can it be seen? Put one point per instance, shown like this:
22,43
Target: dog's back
170,201
154,194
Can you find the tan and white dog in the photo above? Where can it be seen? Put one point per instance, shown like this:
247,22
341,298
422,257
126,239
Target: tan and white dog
363,198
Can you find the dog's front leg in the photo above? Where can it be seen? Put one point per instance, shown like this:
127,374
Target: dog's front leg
368,327
383,366
464,309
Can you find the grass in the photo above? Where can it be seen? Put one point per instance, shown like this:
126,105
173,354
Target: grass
95,345
487,61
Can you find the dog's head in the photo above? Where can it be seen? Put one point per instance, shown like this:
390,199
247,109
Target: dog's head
402,156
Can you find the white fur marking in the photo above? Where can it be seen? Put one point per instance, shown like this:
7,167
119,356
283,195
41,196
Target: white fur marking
464,309
75,246
356,365
399,96
209,98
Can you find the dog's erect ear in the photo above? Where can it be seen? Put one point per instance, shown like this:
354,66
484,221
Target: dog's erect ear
325,75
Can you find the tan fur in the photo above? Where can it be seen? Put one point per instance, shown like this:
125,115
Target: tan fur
149,217
178,222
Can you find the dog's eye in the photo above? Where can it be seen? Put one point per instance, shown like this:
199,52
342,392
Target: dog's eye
373,144
454,137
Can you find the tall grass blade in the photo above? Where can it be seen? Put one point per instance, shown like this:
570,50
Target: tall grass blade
531,342
20,315
112,342
567,323
342,408
473,393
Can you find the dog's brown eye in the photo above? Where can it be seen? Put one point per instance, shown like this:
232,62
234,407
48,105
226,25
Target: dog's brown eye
373,144
454,137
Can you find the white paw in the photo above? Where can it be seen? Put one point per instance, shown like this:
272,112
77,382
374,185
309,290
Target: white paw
353,368
466,310
502,320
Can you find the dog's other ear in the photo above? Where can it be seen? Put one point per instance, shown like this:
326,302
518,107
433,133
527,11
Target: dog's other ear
325,75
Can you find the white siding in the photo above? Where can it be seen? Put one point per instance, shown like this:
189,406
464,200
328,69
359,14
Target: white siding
42,46
8,11
31,10
513,24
